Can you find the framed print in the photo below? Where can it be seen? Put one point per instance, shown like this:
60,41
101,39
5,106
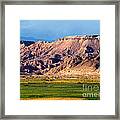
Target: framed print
59,59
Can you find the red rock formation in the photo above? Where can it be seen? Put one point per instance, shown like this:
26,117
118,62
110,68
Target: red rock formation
65,53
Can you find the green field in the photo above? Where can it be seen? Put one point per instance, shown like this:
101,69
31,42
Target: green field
38,88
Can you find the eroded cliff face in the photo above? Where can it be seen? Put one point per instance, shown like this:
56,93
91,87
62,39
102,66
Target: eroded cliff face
71,55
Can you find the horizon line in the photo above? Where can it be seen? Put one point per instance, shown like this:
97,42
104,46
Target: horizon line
38,39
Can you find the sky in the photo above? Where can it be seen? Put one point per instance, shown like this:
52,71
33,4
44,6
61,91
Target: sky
51,30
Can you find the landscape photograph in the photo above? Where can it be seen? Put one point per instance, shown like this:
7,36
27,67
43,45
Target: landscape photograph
59,60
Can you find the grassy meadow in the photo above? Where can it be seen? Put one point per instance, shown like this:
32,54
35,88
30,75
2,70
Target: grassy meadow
62,89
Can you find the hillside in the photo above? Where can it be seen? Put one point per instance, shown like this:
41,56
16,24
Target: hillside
68,56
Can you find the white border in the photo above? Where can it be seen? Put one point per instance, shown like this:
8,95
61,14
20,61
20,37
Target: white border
104,13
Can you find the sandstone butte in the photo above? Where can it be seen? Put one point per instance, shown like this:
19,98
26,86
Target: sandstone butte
68,56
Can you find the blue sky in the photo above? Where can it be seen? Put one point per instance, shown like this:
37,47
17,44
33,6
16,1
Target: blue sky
50,30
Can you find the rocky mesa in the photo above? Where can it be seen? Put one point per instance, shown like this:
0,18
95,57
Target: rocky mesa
68,56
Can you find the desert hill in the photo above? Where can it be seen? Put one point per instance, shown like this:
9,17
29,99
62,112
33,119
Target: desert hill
71,55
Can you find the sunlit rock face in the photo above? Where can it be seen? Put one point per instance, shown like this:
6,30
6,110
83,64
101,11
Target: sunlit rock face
68,55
